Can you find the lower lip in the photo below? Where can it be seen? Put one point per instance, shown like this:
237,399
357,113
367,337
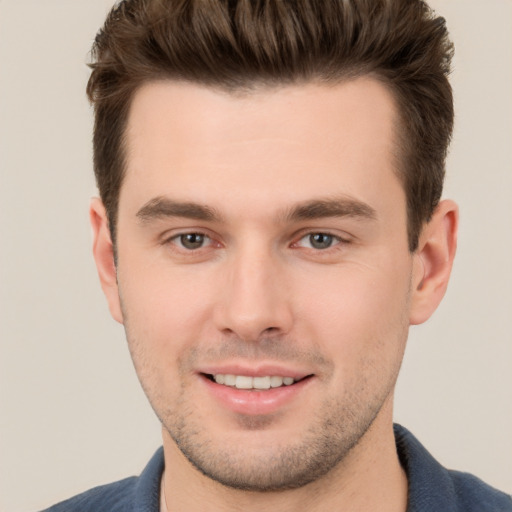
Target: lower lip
256,402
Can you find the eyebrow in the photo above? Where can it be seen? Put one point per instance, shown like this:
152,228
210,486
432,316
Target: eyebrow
342,206
163,207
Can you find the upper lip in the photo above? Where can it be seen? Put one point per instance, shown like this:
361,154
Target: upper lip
254,370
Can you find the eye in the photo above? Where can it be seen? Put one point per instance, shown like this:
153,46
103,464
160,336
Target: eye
191,241
319,241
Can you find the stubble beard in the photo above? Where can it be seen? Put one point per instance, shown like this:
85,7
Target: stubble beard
322,447
338,426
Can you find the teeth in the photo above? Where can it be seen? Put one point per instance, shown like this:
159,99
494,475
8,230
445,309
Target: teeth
229,380
245,382
261,382
242,382
276,382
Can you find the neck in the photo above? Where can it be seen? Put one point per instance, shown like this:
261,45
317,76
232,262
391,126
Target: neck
370,478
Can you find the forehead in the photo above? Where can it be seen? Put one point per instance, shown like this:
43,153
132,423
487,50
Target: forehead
282,144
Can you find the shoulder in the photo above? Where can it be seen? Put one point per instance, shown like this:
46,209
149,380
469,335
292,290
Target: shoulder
433,488
475,495
133,494
114,497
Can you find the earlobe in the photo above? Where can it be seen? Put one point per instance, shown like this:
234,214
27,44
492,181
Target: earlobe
103,252
433,261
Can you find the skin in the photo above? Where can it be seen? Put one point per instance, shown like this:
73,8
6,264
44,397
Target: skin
256,175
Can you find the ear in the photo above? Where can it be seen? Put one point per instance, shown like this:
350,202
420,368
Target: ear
433,261
103,251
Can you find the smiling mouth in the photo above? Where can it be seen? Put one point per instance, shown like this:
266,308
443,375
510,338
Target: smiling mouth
249,383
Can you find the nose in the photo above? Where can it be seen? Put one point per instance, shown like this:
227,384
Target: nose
254,300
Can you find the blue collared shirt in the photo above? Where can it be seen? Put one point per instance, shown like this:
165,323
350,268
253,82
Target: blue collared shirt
432,488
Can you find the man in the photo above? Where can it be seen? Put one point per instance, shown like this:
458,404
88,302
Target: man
269,226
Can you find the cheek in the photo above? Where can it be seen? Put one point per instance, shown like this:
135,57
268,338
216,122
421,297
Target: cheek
356,312
165,312
162,322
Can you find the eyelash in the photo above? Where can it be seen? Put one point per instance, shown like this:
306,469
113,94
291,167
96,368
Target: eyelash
177,240
335,241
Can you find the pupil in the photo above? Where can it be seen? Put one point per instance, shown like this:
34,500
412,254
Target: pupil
192,240
320,240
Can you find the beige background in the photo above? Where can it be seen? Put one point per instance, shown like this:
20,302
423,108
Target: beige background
72,415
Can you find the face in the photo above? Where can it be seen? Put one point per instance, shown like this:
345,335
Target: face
263,276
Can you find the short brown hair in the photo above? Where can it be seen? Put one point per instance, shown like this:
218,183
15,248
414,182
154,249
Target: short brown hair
240,44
